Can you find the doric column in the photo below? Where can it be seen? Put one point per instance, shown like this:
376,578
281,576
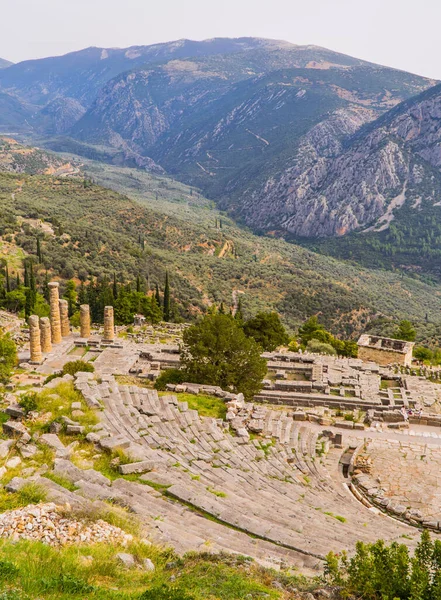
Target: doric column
46,335
109,327
64,318
85,320
55,312
34,336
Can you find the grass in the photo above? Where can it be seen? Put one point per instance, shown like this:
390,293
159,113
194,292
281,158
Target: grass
58,402
30,493
216,493
338,517
207,406
32,570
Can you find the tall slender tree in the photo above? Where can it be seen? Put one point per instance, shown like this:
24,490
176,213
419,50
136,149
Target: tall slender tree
8,283
157,295
166,298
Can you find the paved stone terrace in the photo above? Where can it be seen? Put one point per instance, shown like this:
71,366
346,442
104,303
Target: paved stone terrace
409,474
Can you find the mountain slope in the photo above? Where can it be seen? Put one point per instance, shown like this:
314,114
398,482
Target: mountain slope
98,231
237,125
405,223
80,75
5,63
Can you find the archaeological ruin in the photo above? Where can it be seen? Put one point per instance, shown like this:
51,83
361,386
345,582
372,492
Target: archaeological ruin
314,463
385,351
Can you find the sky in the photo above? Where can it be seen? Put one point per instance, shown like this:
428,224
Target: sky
397,33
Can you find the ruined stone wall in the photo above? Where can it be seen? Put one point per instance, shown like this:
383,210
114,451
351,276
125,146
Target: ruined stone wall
383,357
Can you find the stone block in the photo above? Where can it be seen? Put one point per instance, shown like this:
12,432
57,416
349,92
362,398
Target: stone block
137,467
14,428
52,440
14,410
74,429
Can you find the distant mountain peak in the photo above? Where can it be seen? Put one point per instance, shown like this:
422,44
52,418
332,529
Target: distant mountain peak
5,63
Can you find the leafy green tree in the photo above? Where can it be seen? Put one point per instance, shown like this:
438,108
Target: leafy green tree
406,331
422,353
8,356
312,329
217,352
267,330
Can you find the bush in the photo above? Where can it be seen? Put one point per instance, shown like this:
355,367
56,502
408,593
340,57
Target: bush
164,592
320,347
74,366
28,402
174,376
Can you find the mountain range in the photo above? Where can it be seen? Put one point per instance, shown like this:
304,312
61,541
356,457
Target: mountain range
295,141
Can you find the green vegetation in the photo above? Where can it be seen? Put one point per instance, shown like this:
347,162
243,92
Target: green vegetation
8,357
267,330
380,572
72,367
207,406
320,347
315,338
88,230
31,570
217,352
406,331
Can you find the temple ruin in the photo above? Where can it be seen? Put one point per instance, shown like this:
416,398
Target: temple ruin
384,351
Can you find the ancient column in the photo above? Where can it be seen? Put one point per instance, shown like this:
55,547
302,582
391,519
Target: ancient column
46,335
34,335
109,328
64,317
85,320
55,312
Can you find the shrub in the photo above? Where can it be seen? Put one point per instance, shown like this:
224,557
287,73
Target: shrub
75,366
164,592
320,347
28,402
174,376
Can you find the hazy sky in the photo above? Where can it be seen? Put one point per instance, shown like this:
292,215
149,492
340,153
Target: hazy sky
397,33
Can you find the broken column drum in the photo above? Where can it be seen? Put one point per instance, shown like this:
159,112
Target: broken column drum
55,312
85,320
109,327
64,318
34,336
46,334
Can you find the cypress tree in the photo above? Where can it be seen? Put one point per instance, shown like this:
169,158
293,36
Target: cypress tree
138,283
46,287
17,279
8,283
239,313
166,298
115,287
157,295
40,258
221,309
26,274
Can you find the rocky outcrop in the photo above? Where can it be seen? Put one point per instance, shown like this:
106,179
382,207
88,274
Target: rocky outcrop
336,186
